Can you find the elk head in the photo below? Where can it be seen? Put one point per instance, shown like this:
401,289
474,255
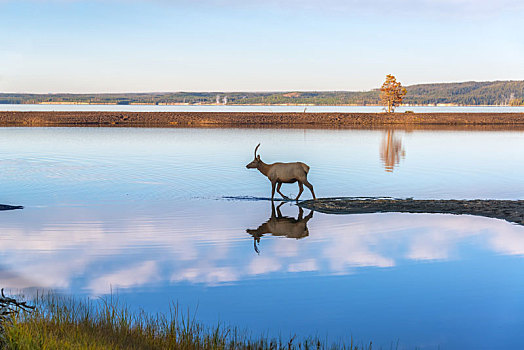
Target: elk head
254,164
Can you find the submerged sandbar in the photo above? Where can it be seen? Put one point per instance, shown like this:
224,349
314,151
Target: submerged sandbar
509,210
10,207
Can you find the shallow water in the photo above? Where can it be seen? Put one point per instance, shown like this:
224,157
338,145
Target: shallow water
142,212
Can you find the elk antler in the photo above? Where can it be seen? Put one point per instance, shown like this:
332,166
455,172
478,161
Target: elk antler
256,149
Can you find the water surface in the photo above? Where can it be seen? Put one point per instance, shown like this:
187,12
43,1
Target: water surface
141,212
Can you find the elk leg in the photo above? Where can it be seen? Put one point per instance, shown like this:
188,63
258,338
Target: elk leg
273,184
279,213
309,216
310,186
279,184
300,190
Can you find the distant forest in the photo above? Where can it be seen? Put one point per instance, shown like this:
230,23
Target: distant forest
466,93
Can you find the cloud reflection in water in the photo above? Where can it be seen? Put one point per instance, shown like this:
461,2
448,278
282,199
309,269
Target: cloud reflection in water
98,249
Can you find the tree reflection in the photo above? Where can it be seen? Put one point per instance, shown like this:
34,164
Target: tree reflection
279,225
391,150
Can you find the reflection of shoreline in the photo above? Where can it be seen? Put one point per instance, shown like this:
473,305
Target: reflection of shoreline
279,225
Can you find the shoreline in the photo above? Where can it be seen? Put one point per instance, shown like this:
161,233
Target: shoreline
254,119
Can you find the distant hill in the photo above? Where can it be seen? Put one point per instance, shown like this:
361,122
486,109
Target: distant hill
466,93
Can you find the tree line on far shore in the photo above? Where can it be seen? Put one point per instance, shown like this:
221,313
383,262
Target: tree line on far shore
510,93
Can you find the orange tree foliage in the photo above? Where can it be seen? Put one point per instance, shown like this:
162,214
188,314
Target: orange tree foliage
392,93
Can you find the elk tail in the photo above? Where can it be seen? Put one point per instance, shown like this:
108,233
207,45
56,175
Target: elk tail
305,167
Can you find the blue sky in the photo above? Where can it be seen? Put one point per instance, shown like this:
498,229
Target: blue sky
231,45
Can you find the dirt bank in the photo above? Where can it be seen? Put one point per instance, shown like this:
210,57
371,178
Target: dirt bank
216,119
512,211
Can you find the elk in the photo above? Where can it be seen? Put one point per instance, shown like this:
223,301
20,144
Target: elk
279,173
279,225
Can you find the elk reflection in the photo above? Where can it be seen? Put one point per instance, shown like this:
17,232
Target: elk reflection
391,151
279,225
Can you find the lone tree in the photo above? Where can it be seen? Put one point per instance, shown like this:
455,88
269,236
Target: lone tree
392,93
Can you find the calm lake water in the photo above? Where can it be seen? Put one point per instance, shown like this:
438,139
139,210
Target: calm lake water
142,212
266,109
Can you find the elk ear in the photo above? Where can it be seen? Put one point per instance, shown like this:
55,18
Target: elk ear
258,157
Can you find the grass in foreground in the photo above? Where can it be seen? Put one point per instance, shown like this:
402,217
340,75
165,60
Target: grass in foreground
66,323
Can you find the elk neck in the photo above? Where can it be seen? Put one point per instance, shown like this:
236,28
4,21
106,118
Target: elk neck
263,167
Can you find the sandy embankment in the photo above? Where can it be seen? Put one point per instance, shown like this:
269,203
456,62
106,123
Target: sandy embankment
512,211
301,120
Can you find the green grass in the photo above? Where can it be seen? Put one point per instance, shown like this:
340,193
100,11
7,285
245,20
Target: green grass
68,323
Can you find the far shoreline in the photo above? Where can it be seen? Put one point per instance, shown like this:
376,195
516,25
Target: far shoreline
466,120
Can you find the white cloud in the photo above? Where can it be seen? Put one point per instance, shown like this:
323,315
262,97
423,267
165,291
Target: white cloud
210,275
304,266
138,275
262,265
